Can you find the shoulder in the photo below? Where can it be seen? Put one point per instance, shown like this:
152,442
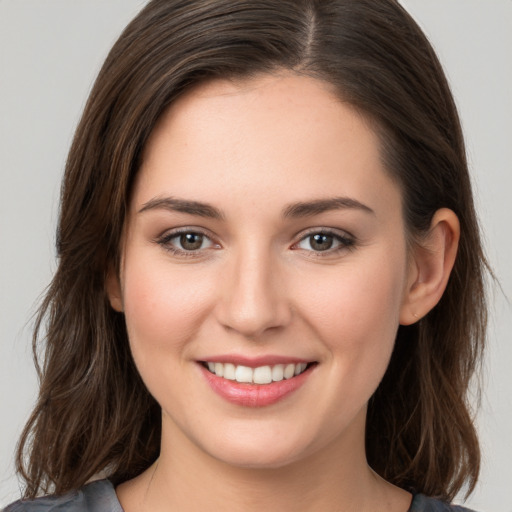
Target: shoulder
422,503
94,497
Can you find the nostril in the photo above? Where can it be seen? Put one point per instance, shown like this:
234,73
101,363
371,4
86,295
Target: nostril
250,301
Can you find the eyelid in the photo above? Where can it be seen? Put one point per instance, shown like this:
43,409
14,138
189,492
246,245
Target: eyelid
343,233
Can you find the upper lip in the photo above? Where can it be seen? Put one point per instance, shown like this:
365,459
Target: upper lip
254,362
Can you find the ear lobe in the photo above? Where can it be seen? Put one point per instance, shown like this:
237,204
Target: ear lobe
432,262
113,289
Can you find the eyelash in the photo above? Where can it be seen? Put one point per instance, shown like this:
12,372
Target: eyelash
346,242
165,242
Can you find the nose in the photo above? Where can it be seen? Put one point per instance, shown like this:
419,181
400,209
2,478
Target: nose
253,296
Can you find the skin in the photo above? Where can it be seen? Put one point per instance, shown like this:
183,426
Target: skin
257,286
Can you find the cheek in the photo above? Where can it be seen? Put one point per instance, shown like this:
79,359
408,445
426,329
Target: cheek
355,310
163,305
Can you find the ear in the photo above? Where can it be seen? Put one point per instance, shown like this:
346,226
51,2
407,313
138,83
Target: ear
432,260
113,289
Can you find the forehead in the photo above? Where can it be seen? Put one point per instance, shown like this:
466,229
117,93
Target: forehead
280,133
299,103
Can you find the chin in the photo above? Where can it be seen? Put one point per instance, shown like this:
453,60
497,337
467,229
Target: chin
270,457
263,449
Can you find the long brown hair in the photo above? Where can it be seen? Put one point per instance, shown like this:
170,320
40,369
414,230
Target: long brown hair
94,413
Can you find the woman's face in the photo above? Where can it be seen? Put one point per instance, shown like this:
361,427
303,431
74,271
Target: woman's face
264,239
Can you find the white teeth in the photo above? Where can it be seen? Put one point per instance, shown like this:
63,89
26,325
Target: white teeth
289,371
259,375
262,375
229,371
219,369
299,368
278,372
242,374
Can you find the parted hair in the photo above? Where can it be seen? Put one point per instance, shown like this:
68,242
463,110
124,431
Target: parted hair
93,413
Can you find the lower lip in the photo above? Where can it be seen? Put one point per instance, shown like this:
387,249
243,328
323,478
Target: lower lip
254,395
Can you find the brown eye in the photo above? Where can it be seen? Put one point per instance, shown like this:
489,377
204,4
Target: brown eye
186,243
325,241
191,241
321,242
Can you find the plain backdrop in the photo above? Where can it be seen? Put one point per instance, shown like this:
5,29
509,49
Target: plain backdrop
50,52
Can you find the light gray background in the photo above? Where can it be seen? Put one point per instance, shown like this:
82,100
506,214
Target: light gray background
50,52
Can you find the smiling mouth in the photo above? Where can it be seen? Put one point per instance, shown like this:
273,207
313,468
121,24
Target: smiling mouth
259,375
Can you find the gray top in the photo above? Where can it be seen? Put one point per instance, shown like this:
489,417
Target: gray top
100,496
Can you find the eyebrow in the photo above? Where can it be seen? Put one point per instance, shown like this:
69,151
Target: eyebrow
185,206
316,207
295,210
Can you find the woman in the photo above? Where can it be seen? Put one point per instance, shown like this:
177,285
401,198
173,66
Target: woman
270,275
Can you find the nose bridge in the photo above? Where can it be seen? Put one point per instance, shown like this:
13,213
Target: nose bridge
253,299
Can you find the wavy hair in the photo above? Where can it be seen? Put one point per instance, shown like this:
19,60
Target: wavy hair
94,413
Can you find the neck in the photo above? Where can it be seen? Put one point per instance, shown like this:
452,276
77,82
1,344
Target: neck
187,479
